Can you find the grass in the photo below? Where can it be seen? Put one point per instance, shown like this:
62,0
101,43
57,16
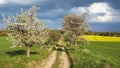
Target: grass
15,57
102,52
96,55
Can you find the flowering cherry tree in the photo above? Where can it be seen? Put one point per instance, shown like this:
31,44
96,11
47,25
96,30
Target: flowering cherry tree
74,25
26,29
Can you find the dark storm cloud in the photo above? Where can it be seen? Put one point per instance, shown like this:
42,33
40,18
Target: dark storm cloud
52,11
105,27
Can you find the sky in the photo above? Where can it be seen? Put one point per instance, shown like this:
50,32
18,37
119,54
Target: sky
103,15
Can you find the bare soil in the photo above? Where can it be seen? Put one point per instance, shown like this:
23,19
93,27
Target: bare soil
47,63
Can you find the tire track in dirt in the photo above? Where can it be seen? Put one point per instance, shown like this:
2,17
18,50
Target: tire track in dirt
49,61
65,59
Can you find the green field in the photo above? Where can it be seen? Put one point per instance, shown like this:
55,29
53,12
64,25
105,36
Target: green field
16,58
96,55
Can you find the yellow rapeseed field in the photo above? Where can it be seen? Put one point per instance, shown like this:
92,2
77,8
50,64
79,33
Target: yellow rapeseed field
102,38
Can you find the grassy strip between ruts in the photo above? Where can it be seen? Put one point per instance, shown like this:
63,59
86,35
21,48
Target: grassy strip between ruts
57,63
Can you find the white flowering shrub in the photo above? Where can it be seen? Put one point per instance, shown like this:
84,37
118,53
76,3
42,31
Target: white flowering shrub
26,29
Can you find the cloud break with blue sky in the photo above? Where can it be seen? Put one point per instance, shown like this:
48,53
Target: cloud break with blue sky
103,15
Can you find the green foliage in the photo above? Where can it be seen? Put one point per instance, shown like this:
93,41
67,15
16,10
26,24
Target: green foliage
54,35
82,40
64,40
117,34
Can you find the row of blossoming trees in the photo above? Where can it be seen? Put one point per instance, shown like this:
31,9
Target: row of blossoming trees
26,29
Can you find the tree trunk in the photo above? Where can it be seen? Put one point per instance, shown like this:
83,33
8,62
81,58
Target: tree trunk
76,45
28,50
76,48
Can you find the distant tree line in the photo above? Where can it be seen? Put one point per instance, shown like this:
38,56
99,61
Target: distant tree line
58,32
117,34
3,33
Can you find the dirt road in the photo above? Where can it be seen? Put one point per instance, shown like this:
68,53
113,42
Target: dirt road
47,63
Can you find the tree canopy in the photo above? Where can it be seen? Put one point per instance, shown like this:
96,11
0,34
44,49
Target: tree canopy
74,25
26,29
